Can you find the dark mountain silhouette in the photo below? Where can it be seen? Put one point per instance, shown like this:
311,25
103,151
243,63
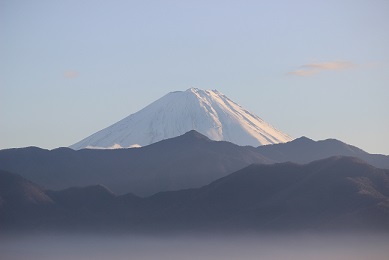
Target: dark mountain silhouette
188,161
305,150
338,193
341,192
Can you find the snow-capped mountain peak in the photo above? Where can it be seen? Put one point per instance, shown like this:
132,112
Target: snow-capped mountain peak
207,111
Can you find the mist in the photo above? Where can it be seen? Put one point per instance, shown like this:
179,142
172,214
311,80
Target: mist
194,246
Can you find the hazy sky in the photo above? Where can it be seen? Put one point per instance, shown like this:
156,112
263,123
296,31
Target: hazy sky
313,68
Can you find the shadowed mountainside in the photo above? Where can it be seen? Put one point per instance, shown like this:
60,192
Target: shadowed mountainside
22,202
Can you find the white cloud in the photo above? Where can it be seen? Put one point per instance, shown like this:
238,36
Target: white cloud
303,73
334,65
315,68
115,146
71,74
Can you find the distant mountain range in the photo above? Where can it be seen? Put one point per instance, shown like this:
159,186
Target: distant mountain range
188,161
337,193
207,111
305,150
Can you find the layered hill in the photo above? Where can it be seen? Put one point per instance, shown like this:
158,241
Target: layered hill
338,193
188,161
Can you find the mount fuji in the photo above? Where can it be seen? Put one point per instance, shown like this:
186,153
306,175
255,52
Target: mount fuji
207,111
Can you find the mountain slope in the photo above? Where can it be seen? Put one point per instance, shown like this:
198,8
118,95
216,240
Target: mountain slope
188,161
21,201
206,111
20,190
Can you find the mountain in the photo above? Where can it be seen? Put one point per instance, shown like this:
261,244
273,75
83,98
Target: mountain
188,161
209,112
305,150
337,193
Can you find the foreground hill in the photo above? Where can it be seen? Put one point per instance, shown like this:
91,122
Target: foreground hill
341,192
338,193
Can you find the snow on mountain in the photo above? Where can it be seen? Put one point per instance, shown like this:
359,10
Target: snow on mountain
206,111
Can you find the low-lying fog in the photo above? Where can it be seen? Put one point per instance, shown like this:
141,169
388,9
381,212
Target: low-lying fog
112,247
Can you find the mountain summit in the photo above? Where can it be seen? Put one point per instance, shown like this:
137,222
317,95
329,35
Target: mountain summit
206,111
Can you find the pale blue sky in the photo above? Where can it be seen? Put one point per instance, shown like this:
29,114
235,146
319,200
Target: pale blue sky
313,68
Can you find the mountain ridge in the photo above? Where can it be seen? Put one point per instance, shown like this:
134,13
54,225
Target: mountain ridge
305,150
187,161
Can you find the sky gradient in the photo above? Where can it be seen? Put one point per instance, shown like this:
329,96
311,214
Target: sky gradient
310,68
